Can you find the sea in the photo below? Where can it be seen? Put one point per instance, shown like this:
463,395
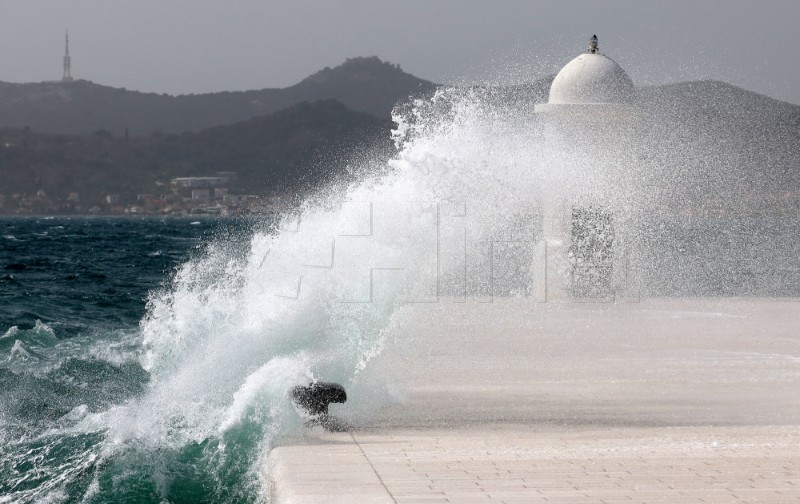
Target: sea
73,293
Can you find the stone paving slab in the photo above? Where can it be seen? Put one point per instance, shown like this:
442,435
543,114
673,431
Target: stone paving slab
657,362
514,464
668,400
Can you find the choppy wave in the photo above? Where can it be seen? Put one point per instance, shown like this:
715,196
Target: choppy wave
185,408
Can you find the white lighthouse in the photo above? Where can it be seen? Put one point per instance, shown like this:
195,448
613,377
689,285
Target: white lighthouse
589,125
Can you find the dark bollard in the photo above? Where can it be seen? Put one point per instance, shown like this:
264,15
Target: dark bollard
315,399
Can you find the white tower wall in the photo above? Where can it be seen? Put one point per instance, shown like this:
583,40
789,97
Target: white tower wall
590,128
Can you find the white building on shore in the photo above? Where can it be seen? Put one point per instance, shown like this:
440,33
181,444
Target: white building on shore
589,124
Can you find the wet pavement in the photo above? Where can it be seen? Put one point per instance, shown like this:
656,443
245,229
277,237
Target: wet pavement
669,400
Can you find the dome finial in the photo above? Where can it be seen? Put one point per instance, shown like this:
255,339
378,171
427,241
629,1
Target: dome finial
593,45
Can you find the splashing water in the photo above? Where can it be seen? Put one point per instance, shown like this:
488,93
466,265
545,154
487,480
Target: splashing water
310,297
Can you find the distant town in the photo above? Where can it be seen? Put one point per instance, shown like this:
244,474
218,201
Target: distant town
183,196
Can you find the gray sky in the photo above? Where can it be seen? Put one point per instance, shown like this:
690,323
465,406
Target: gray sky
194,46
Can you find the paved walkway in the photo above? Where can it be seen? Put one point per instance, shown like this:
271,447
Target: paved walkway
516,464
677,401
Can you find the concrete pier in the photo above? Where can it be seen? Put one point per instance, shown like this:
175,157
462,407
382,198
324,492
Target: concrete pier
668,400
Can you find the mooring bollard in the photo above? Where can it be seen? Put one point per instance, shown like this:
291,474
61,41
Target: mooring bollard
315,399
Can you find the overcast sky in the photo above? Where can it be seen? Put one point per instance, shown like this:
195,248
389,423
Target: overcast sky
194,46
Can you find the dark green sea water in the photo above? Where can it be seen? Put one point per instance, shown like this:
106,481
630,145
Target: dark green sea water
72,294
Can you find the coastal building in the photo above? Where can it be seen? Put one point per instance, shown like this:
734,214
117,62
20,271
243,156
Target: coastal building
199,182
201,195
238,199
589,123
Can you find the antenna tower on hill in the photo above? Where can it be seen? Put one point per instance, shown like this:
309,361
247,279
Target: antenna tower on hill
67,62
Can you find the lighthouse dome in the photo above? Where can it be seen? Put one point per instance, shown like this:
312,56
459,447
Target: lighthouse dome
591,78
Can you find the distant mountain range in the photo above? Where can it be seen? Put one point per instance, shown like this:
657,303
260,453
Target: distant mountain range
714,144
70,137
366,85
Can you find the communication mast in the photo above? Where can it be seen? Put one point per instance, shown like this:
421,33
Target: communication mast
67,62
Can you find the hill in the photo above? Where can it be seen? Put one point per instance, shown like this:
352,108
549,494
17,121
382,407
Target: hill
285,152
714,144
366,85
709,147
